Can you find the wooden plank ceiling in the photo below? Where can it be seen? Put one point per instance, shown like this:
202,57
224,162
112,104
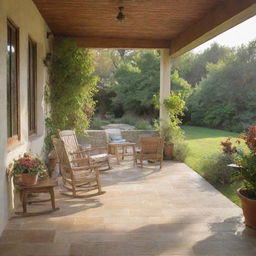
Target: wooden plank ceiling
148,23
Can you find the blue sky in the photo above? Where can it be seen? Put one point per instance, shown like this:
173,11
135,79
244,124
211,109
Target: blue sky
240,34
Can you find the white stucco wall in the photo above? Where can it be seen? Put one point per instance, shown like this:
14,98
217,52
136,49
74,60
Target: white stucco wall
30,23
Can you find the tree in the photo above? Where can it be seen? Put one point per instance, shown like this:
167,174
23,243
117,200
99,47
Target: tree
137,80
226,98
104,69
193,67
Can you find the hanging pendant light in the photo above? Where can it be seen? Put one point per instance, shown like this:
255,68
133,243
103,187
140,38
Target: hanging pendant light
120,16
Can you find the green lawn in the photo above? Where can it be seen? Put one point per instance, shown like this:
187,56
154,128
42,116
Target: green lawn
202,143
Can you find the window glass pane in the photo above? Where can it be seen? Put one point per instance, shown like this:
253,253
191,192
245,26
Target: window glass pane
32,86
12,84
9,128
29,85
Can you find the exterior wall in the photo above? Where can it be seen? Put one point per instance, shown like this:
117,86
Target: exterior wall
97,138
24,14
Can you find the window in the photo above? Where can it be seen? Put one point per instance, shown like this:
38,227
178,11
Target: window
12,83
32,77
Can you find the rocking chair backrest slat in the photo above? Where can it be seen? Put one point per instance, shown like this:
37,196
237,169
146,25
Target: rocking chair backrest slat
70,140
71,144
64,162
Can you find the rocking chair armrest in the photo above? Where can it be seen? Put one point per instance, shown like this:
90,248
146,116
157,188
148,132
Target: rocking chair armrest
79,160
79,152
86,167
82,168
84,146
98,149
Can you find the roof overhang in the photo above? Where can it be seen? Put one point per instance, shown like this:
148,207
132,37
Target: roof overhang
164,24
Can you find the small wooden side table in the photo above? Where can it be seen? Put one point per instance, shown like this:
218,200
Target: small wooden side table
43,186
124,147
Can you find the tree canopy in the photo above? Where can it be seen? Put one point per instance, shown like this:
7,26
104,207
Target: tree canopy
226,98
218,84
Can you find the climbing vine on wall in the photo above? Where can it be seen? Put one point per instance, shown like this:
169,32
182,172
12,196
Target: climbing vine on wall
71,88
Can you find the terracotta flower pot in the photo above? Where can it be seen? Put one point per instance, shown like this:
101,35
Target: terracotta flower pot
51,164
28,179
168,151
249,209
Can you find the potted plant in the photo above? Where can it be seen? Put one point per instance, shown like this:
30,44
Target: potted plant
52,161
27,169
167,135
246,172
169,129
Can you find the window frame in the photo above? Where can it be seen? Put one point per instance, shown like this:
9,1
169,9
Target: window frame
16,137
34,63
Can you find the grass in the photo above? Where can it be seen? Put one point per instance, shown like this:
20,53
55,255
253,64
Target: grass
202,143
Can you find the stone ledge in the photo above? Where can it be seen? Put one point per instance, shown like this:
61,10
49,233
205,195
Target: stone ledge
98,138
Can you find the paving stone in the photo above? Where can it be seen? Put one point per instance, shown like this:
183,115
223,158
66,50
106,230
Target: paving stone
144,212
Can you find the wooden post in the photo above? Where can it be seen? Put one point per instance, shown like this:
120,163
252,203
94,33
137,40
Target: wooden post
165,82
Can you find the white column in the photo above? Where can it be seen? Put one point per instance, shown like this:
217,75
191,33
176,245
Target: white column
165,82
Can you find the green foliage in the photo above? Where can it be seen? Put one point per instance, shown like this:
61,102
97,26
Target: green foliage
218,85
137,79
140,123
218,172
143,125
180,85
226,98
193,67
170,129
128,118
128,81
97,123
105,64
246,160
181,151
247,172
71,88
175,106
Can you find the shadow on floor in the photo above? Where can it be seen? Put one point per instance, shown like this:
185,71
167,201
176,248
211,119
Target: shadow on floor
127,173
229,238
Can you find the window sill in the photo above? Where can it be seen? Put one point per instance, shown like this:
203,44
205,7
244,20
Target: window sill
12,146
34,136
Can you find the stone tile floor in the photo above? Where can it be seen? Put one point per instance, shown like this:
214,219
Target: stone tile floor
144,212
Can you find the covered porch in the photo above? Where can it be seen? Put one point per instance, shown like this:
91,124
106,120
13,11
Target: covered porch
145,211
172,211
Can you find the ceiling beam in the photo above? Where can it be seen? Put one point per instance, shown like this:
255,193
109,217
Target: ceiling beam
223,17
120,43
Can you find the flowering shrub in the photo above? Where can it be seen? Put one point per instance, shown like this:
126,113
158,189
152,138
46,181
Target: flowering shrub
28,164
250,138
227,146
246,161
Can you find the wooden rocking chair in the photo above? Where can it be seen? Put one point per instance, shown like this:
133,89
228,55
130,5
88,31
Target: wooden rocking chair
151,149
96,156
76,174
